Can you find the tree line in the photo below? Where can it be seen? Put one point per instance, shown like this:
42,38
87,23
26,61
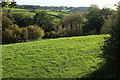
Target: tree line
18,27
54,8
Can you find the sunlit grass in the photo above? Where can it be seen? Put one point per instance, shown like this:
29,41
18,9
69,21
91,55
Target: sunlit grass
71,57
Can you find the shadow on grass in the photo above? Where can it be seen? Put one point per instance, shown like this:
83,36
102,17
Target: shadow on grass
106,71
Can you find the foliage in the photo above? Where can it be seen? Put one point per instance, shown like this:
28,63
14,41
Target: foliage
95,20
7,12
35,32
6,22
57,24
6,36
71,57
63,9
7,18
22,20
111,46
9,4
5,4
24,35
108,23
51,34
14,34
93,7
44,20
72,24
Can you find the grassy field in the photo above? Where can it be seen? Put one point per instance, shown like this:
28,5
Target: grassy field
72,57
28,11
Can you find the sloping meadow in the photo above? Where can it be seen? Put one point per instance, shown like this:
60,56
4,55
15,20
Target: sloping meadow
71,57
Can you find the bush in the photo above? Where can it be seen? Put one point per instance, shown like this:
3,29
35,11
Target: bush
14,34
51,34
24,34
6,36
68,32
35,32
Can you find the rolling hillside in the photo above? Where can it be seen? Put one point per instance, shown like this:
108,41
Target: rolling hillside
72,57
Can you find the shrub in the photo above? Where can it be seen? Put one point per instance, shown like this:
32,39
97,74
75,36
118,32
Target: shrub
35,32
51,34
14,34
24,34
6,36
68,32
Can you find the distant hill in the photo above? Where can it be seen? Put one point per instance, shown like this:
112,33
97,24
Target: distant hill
54,8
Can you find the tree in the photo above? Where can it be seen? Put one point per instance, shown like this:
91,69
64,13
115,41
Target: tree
7,18
73,24
111,48
6,22
95,20
22,20
93,23
107,26
45,21
93,7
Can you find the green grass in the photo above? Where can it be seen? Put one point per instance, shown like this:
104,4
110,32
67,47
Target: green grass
18,10
28,12
56,13
71,57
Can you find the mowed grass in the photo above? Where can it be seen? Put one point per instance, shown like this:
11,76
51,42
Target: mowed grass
71,57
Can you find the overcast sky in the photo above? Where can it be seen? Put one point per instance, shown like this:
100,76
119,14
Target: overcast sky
73,3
